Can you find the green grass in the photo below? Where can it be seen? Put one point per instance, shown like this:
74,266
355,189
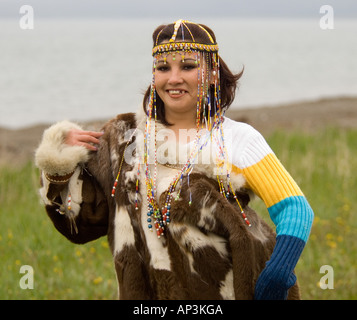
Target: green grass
62,270
323,163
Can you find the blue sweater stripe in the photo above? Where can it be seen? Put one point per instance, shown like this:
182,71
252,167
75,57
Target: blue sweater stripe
292,216
277,277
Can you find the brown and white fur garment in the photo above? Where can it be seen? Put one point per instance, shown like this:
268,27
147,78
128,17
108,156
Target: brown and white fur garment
208,251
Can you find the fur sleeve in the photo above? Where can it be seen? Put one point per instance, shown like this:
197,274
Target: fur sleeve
84,217
54,156
76,206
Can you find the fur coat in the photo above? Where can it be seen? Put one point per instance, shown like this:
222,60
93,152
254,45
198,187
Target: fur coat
208,251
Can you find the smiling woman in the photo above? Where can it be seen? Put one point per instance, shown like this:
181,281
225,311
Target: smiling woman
191,49
179,230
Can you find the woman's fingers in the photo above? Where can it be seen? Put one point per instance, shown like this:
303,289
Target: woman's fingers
88,146
88,138
83,138
94,133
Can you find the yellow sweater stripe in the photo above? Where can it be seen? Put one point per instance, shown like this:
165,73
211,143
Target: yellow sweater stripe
270,180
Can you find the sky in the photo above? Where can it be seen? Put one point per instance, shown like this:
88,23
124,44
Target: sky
187,9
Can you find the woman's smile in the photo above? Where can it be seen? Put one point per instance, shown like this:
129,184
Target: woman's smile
176,93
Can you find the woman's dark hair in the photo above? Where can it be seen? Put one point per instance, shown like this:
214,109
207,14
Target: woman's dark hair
228,80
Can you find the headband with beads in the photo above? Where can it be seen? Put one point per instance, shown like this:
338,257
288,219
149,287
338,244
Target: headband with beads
173,45
186,46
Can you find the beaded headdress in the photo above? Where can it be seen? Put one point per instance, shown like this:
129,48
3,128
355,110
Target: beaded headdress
209,115
207,60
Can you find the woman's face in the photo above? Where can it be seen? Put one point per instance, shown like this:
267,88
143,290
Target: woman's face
176,82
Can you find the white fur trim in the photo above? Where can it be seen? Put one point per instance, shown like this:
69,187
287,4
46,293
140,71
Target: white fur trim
140,117
207,220
56,157
124,233
75,191
193,239
237,179
44,190
226,288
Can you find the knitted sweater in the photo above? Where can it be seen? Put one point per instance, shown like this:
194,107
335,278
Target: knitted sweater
287,205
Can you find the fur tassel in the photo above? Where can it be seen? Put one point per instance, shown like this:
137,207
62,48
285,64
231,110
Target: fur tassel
55,157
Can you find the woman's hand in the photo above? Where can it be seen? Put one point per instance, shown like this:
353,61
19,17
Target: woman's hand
87,139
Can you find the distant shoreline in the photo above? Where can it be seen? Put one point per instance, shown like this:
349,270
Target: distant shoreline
17,145
302,115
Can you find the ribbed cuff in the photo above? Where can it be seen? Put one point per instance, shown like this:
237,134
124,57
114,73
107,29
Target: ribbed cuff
277,276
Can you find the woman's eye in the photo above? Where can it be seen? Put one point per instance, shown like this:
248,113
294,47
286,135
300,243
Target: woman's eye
189,67
162,68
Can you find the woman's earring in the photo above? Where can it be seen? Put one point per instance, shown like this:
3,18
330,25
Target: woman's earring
212,77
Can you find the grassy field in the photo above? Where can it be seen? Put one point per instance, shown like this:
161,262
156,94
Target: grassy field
323,163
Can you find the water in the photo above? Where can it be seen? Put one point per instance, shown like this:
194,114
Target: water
93,69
